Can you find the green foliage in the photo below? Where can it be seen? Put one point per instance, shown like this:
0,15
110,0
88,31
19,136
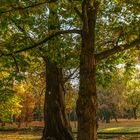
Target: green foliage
117,23
121,95
10,107
133,92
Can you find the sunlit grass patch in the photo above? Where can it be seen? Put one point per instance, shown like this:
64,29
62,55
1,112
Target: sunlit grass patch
121,129
17,136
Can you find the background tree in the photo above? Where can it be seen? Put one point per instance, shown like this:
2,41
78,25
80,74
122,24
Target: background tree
27,102
132,95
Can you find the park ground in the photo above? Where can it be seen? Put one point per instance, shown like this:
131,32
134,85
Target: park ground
34,130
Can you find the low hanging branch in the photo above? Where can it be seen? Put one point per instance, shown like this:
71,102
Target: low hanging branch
116,49
52,35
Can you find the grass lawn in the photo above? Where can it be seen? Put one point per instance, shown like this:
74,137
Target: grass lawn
120,126
19,136
120,133
121,129
120,123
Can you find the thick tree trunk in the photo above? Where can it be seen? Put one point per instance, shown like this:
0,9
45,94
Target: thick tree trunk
87,100
56,123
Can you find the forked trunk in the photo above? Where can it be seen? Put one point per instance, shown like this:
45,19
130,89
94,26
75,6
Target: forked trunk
56,123
87,100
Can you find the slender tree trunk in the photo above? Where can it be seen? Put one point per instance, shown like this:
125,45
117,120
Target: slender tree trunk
3,124
134,112
19,122
114,115
87,100
56,122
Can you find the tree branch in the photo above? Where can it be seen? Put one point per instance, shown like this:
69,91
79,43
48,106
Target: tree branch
52,35
23,8
70,75
23,31
1,53
114,50
76,10
16,64
118,39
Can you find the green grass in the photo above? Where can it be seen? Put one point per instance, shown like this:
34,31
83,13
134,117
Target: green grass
28,133
120,133
121,129
37,136
17,136
34,133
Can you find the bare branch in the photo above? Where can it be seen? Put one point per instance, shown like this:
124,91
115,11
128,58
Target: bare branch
70,75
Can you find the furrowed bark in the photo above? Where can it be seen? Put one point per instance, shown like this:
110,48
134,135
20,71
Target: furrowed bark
87,100
56,122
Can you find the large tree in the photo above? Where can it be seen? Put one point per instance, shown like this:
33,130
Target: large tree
56,122
89,58
116,23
